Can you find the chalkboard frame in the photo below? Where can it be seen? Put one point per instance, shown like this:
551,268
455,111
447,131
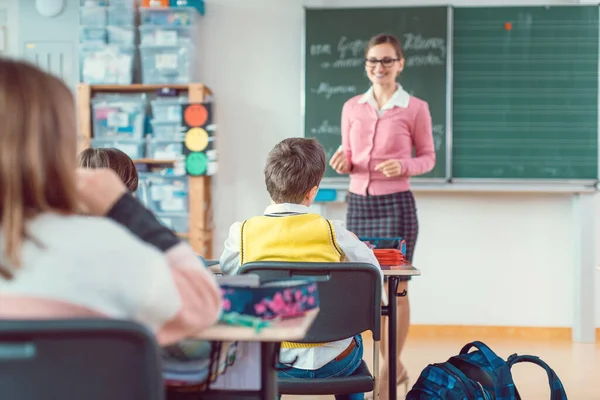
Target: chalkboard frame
344,181
450,183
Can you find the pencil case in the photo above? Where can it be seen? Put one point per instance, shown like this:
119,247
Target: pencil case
283,298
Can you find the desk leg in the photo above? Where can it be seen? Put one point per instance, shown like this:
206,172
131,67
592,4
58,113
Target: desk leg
392,340
268,372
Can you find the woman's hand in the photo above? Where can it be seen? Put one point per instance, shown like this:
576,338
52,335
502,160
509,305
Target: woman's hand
339,162
390,168
98,190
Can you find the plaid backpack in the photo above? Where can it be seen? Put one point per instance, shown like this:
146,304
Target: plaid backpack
480,375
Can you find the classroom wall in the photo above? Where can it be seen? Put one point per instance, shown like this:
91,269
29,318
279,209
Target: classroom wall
487,258
51,43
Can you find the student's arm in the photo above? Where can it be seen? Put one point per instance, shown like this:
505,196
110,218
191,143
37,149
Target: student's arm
422,136
196,286
230,259
356,251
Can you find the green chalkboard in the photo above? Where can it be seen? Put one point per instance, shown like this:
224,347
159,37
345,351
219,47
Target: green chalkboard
335,41
525,93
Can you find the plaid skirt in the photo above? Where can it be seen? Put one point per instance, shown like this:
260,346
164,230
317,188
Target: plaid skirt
390,215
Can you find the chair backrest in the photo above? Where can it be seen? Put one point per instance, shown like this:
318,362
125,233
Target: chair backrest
78,359
349,295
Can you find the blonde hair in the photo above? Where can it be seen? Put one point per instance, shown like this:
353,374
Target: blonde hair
38,148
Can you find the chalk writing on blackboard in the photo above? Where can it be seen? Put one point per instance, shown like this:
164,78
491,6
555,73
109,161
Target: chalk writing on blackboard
320,49
438,136
326,129
420,51
327,90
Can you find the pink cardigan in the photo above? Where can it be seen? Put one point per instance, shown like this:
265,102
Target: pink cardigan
369,140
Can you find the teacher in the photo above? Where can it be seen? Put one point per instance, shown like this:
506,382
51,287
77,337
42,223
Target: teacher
380,129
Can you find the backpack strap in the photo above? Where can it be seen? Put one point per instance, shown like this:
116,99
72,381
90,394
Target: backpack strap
505,387
495,361
557,390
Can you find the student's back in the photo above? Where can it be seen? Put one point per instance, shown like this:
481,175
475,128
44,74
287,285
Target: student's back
118,261
288,232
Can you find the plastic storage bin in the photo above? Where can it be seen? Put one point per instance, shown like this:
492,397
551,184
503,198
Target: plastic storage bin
133,148
173,16
167,130
123,3
119,117
106,64
168,108
121,16
166,64
93,3
166,35
162,149
197,4
92,34
179,223
167,194
121,35
93,16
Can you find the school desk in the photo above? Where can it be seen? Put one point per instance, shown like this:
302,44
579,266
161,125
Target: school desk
269,338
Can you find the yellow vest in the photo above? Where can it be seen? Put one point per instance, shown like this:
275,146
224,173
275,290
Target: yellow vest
295,238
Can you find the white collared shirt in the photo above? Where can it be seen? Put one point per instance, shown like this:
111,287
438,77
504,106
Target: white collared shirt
354,251
400,98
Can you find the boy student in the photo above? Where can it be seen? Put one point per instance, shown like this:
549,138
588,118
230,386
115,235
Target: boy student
293,172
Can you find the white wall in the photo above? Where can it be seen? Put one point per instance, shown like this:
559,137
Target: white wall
487,259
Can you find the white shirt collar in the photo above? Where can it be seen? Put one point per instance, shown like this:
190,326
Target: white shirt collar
400,98
286,208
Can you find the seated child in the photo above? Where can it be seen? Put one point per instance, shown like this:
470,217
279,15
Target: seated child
293,172
114,159
117,260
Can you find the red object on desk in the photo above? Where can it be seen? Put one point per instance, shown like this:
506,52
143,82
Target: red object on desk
389,257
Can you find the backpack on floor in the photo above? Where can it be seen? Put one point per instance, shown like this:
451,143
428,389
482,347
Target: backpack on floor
480,375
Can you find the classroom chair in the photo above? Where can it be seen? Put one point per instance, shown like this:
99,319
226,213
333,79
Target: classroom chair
87,359
350,303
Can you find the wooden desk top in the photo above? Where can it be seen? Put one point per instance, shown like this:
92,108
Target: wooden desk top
401,270
286,330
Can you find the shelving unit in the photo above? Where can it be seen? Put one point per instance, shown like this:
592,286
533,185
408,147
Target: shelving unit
200,235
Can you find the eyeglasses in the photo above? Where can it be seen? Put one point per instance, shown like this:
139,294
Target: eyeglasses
386,62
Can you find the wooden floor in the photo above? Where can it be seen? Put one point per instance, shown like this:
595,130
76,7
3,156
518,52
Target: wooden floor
577,365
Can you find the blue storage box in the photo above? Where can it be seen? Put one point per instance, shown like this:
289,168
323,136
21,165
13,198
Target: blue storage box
93,3
173,16
166,35
166,64
179,223
92,35
121,16
121,35
197,4
166,194
133,148
93,16
119,116
167,130
164,149
168,108
106,64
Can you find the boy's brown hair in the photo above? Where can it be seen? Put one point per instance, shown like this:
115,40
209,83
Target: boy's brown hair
114,159
294,167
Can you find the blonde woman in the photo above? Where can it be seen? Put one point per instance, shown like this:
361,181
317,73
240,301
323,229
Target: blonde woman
55,263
